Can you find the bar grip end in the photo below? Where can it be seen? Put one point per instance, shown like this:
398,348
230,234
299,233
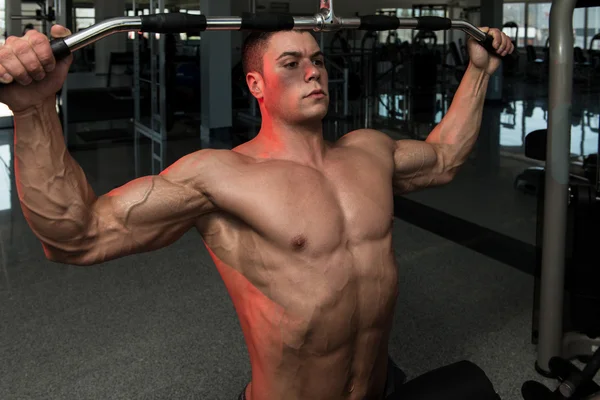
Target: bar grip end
488,44
270,22
379,23
431,23
173,23
60,49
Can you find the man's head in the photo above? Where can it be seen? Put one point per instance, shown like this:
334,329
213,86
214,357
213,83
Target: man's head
284,71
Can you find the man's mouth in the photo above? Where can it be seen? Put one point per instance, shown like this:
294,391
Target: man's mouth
317,93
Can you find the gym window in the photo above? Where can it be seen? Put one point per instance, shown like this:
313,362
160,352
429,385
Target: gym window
84,18
2,22
533,21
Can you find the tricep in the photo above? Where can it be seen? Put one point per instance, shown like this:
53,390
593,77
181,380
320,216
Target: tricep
145,214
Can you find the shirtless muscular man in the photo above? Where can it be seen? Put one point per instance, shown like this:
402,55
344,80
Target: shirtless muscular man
299,228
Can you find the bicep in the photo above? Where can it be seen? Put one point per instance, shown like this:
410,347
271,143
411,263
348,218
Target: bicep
417,165
143,215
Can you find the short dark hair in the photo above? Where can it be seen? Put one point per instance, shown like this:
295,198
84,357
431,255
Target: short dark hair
253,51
254,48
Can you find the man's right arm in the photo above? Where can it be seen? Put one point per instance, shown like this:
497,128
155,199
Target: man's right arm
77,227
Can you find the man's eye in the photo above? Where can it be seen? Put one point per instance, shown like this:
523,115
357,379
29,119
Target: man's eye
293,64
318,63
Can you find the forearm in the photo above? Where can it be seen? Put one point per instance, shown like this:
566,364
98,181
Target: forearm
53,191
456,134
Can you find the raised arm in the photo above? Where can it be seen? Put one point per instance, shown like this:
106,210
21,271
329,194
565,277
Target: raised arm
145,214
435,161
77,227
73,224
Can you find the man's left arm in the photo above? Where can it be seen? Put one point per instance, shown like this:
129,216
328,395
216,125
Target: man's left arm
435,161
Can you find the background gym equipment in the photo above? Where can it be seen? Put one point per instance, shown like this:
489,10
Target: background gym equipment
45,14
574,384
512,30
170,23
561,197
582,301
324,21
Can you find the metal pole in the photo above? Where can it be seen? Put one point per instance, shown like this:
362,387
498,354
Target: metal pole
106,28
137,98
61,18
346,77
582,143
161,158
598,164
58,9
392,97
253,100
585,29
154,109
367,96
525,36
69,15
556,185
44,10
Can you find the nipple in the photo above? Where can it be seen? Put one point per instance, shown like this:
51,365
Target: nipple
299,242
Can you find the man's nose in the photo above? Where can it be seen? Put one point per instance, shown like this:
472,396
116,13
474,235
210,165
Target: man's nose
313,73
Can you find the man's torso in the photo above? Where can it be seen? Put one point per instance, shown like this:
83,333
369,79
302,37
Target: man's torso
307,257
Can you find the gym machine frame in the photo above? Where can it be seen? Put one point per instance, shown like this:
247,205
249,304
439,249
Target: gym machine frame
552,340
156,128
555,347
45,14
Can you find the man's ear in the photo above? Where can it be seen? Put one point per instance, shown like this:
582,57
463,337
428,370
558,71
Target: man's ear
255,84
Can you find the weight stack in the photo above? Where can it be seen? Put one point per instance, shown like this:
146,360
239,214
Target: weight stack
584,270
582,265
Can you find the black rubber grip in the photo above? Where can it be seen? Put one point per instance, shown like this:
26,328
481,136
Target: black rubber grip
173,23
379,23
434,23
488,44
270,22
60,49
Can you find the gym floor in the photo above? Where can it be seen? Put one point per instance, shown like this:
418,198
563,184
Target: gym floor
161,325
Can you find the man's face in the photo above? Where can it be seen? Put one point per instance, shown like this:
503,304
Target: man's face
294,83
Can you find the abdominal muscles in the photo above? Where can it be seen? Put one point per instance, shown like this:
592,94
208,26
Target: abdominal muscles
316,328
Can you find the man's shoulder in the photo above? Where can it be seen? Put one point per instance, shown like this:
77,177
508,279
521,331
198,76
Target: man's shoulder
369,144
370,140
207,166
218,156
366,136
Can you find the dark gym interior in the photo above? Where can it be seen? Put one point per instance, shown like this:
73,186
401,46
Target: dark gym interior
161,325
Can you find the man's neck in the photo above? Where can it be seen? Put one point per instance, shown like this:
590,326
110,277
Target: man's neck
302,143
